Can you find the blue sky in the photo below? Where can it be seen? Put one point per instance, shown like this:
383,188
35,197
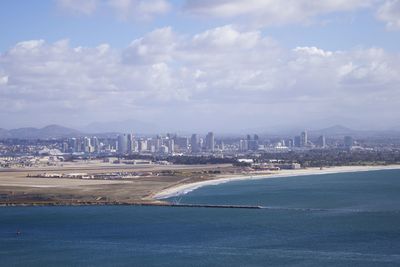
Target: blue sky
26,20
205,64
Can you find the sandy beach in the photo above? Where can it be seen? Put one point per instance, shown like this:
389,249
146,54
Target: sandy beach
18,189
182,189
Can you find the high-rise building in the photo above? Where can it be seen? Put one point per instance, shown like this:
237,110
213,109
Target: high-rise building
252,144
143,145
80,145
171,146
164,149
222,145
65,147
210,142
73,145
303,139
135,146
201,144
321,142
194,143
290,143
348,142
182,143
297,141
87,145
131,143
158,142
95,144
123,144
243,146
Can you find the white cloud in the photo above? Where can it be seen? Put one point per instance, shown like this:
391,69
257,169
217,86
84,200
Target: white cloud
271,12
3,80
389,12
86,7
124,9
221,76
156,46
226,37
139,9
313,51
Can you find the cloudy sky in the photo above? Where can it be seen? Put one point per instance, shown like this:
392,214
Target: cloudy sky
223,65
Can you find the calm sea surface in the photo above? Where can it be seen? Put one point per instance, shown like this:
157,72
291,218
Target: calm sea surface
348,219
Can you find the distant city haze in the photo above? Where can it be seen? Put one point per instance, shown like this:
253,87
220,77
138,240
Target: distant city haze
198,66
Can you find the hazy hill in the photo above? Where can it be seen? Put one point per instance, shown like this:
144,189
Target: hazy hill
51,131
340,131
336,130
4,133
126,126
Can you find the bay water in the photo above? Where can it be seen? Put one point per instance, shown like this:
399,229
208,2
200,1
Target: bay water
346,219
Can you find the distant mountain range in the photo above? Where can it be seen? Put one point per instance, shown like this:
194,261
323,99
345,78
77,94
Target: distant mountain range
124,126
334,131
340,131
50,131
102,130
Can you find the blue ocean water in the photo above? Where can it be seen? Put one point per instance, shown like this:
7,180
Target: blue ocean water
348,219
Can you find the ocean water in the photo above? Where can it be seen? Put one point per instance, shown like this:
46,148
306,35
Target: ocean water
347,219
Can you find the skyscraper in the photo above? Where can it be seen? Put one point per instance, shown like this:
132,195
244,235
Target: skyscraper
194,143
171,146
158,142
303,139
95,143
73,145
210,142
87,145
243,145
348,142
321,142
142,145
130,147
123,144
297,141
182,143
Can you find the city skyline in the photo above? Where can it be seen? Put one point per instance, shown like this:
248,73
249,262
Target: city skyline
198,65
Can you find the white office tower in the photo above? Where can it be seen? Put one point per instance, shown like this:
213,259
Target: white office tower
142,145
164,149
95,144
158,142
123,144
171,145
87,145
210,142
135,146
243,145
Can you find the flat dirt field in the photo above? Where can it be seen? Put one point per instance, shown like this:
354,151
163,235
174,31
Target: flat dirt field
17,188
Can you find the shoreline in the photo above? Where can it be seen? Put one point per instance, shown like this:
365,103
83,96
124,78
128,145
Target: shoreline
142,192
183,189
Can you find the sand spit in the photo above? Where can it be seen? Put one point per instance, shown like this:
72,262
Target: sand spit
182,189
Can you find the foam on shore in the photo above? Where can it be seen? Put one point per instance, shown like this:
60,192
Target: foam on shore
183,189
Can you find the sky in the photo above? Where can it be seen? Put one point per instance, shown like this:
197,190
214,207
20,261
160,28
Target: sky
198,65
